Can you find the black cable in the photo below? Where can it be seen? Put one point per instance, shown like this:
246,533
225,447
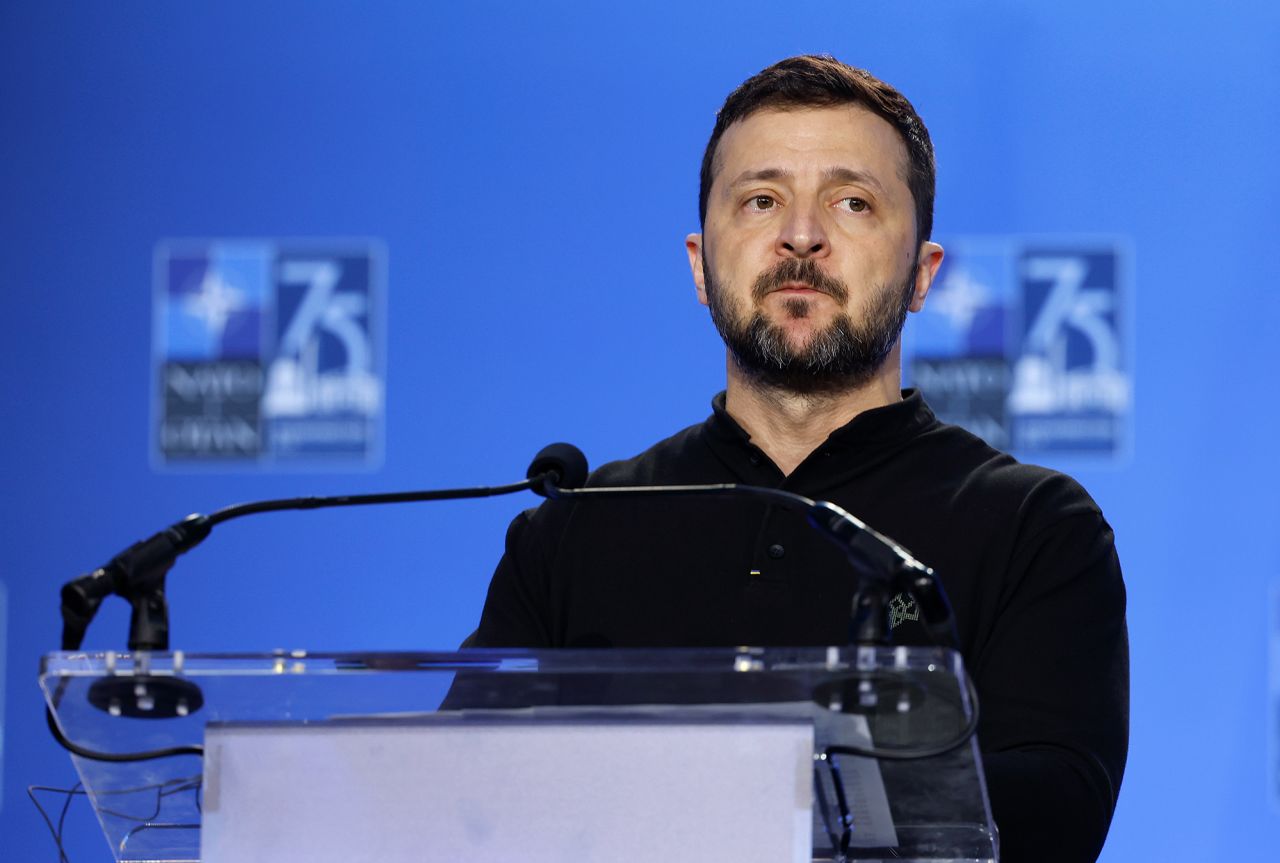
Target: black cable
821,803
134,831
912,754
66,807
840,846
846,815
56,833
163,789
116,757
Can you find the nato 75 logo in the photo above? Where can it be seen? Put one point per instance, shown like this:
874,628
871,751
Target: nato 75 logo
1025,342
1071,386
268,352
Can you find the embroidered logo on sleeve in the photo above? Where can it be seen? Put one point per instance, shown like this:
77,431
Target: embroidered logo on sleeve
902,608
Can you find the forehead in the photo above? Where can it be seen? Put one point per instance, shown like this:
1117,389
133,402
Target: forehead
817,139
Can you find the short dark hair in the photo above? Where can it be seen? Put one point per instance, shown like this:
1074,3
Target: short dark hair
819,81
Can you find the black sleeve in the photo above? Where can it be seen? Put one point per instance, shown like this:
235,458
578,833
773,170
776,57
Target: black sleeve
517,609
1053,677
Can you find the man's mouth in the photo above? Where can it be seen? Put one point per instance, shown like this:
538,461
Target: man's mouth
798,288
798,280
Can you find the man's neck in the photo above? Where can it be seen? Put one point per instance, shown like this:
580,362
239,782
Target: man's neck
788,426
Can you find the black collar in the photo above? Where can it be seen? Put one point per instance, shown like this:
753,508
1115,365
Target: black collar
890,423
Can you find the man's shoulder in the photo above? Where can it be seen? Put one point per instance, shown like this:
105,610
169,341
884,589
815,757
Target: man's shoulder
981,474
679,458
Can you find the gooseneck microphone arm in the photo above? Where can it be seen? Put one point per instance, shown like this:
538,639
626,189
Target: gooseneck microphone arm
885,566
137,574
558,472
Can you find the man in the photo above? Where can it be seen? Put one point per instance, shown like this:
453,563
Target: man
816,204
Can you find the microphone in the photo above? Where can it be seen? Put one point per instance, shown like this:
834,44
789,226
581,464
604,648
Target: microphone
885,566
137,574
558,465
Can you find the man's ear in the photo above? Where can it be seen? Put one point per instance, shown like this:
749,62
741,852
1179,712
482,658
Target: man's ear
693,245
927,264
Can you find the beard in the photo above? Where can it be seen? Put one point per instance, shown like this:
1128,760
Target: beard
844,355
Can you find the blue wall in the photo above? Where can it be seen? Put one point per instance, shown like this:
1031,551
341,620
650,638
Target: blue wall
532,171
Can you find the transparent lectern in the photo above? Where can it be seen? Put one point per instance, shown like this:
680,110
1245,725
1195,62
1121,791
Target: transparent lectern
612,755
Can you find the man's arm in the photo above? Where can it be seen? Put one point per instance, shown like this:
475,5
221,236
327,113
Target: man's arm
1054,681
517,608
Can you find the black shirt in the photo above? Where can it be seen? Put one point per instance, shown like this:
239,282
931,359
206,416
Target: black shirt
1025,555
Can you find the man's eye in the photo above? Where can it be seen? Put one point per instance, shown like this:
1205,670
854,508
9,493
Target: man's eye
761,202
855,205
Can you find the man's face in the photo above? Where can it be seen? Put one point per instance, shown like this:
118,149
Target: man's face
809,260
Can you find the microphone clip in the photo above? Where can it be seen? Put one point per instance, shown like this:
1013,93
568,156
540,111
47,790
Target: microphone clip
137,575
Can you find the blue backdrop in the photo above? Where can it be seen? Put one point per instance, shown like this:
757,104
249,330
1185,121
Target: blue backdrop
532,170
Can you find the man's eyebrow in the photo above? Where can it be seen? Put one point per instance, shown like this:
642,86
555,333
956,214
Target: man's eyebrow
849,175
762,174
838,174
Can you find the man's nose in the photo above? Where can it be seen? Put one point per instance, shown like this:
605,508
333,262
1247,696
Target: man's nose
802,234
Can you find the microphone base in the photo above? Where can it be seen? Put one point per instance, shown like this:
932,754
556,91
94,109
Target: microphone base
870,694
146,696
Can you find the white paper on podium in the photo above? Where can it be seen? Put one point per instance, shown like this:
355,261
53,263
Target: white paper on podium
529,791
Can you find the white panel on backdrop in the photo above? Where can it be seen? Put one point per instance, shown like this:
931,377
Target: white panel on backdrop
533,792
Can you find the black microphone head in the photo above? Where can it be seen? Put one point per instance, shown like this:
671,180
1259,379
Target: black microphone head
564,460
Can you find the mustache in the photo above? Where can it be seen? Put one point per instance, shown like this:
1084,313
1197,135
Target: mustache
805,270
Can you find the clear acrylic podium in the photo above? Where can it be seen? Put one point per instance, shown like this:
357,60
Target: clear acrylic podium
693,705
